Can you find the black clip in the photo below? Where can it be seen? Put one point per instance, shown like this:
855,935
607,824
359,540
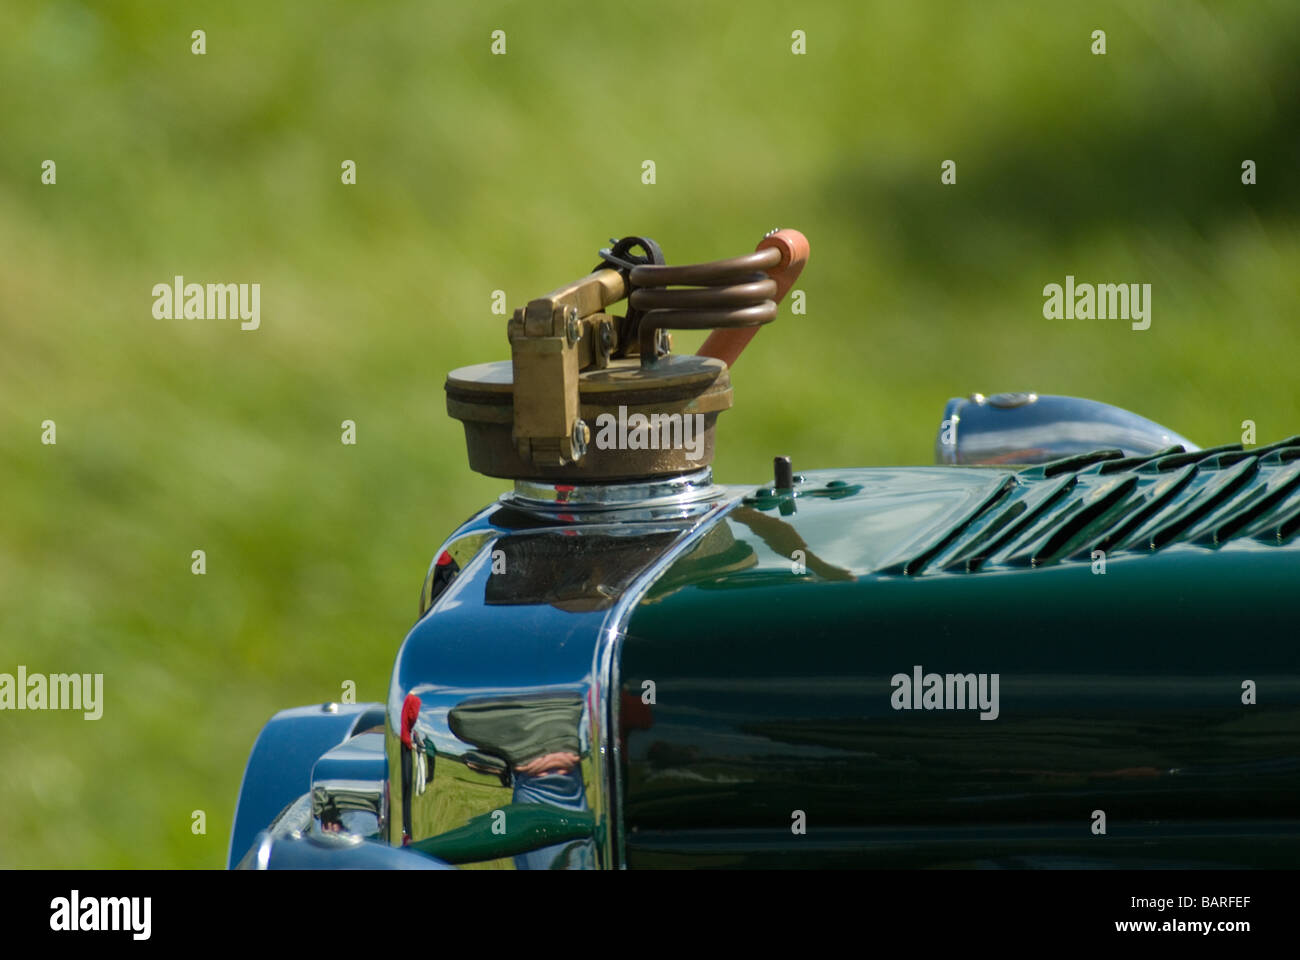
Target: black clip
620,257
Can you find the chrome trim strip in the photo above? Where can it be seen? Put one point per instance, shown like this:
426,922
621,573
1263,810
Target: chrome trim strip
630,492
605,669
679,496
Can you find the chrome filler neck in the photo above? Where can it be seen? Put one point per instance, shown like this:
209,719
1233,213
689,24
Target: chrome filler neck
658,498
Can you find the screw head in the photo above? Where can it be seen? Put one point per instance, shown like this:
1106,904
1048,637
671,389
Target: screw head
579,439
571,328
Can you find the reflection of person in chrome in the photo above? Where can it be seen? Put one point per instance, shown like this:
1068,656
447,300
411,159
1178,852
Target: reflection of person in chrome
411,740
539,738
557,782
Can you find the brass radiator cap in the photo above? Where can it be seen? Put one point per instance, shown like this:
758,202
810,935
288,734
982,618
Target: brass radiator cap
640,421
590,397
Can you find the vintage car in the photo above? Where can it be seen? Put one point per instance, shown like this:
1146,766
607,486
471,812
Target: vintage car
1069,643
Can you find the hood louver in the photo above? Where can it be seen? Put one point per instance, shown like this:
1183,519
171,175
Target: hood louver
1066,509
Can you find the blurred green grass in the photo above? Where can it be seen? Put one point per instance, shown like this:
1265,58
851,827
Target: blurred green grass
478,173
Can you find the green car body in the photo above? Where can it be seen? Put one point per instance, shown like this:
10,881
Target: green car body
1153,684
1089,662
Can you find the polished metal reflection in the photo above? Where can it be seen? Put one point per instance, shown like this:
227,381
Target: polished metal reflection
608,669
500,692
294,842
281,762
689,494
1027,428
348,788
459,550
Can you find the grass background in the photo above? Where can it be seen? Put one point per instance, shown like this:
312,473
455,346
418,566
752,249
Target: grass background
479,172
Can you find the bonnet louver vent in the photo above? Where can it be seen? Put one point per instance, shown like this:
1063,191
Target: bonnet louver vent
1105,501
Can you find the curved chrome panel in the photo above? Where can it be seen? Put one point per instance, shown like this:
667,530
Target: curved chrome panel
607,660
280,765
292,843
349,784
1015,428
498,735
460,548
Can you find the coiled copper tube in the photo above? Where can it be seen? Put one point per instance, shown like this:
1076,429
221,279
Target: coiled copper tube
721,294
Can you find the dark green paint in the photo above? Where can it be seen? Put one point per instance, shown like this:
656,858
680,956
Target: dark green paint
1120,692
514,829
